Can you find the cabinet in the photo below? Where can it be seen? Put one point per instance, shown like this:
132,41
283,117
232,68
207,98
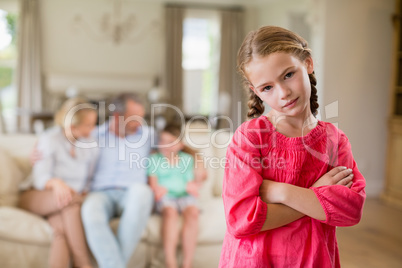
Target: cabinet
393,186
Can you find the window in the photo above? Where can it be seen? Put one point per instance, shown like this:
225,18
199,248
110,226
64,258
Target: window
8,63
201,51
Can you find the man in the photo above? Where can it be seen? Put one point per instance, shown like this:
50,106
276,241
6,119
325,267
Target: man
119,186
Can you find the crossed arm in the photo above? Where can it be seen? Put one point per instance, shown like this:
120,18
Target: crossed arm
287,203
253,204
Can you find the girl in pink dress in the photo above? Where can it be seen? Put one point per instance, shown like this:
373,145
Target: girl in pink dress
290,179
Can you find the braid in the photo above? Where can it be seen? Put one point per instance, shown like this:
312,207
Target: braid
314,97
256,108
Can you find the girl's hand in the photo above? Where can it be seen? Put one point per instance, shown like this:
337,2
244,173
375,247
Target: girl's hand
159,192
270,191
63,193
337,175
193,188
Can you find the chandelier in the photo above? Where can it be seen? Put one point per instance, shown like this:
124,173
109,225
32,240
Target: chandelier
116,28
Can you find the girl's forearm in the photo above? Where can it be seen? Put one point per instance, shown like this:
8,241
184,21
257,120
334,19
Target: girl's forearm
303,200
153,181
279,215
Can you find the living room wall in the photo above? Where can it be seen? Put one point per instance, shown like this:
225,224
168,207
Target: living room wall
71,46
358,43
68,48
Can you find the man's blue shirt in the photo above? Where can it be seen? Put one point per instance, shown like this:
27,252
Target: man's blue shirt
122,160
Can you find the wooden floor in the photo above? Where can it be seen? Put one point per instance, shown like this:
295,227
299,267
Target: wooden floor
376,242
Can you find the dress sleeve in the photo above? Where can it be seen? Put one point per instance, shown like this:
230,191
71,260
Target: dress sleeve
42,170
244,210
343,206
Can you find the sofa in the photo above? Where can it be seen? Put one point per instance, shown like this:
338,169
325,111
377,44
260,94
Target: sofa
25,238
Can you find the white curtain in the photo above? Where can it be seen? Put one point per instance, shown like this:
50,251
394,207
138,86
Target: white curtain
29,64
232,35
2,124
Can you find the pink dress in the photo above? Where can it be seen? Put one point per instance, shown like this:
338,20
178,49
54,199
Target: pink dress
258,152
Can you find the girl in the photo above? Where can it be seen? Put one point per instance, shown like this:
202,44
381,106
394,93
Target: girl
289,179
60,179
176,182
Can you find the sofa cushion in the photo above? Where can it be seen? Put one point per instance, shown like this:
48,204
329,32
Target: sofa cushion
19,148
212,222
221,140
212,225
201,143
212,145
18,225
18,145
10,178
24,164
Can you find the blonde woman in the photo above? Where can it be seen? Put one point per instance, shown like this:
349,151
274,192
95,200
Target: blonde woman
61,178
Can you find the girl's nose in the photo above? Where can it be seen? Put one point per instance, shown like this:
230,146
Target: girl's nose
284,91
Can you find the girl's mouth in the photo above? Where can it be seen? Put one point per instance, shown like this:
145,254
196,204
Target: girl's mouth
291,103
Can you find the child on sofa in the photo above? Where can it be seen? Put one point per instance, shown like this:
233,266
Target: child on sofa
60,179
175,182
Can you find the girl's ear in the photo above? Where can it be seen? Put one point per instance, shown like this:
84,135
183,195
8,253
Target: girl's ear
251,88
310,65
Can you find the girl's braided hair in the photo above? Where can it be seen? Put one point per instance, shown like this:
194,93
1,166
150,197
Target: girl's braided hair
267,40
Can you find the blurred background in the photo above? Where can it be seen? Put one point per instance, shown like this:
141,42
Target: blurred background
184,53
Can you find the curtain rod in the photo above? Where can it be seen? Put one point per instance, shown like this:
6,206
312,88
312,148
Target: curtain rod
206,6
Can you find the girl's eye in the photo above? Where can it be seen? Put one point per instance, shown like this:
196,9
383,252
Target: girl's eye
289,75
267,88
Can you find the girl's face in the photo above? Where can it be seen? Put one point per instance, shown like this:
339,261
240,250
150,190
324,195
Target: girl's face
281,81
169,144
84,129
